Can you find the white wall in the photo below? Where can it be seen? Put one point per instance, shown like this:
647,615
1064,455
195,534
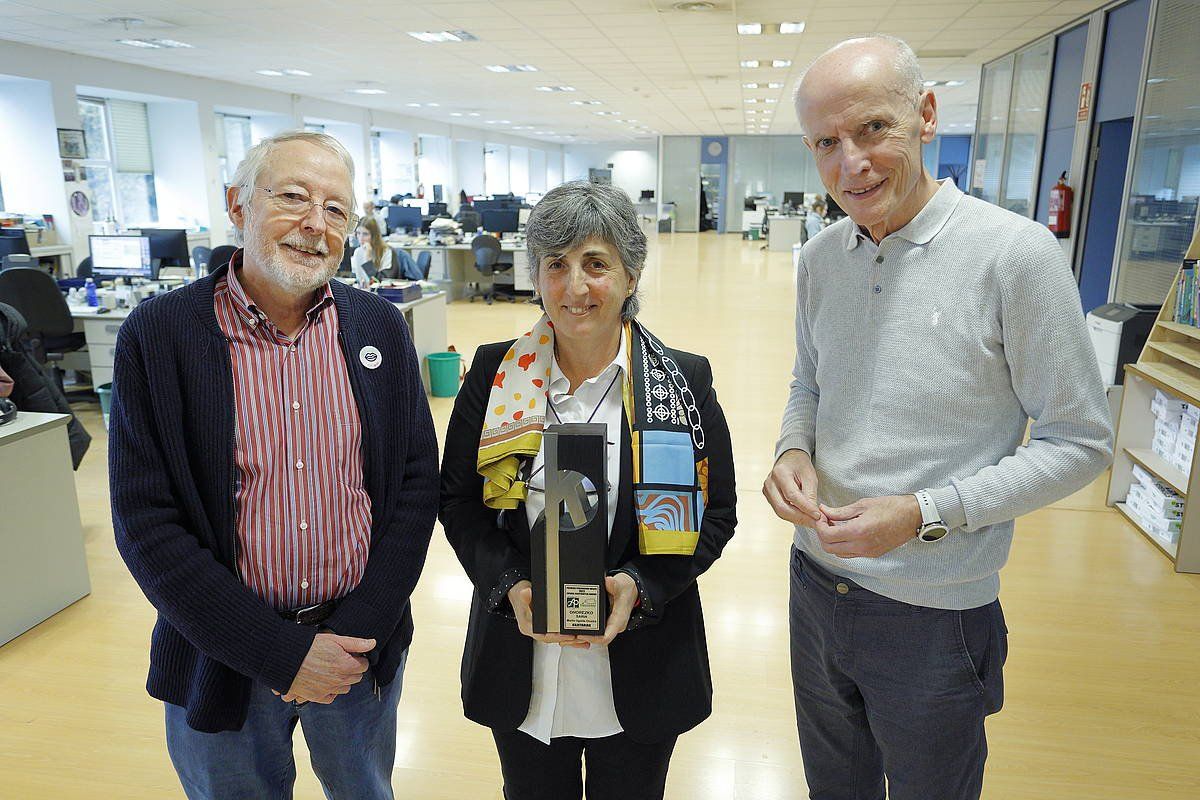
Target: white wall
518,170
468,169
634,168
179,179
433,165
30,168
537,171
495,165
270,112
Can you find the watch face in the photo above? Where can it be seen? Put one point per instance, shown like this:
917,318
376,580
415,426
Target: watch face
933,532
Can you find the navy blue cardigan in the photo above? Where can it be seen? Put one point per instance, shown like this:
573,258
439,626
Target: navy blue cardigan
171,474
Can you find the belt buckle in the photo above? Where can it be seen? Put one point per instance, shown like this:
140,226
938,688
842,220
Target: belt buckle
303,614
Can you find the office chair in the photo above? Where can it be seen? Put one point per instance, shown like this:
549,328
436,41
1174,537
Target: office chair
201,255
424,261
220,256
84,270
486,250
51,328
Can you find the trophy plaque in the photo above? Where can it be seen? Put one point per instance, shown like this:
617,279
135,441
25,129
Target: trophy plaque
569,539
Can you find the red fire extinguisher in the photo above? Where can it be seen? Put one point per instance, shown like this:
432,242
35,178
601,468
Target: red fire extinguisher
1059,220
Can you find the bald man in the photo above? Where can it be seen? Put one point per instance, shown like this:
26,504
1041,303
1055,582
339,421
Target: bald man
930,328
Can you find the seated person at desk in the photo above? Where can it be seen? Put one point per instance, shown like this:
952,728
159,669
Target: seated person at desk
814,222
371,248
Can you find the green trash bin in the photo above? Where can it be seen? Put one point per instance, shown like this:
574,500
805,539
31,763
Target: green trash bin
104,391
444,371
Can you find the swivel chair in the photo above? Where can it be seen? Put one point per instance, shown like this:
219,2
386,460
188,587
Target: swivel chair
486,250
424,261
84,270
201,255
51,332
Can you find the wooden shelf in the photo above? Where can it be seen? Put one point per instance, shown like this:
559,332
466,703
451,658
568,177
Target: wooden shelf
1157,466
1186,352
1169,552
1173,380
1190,331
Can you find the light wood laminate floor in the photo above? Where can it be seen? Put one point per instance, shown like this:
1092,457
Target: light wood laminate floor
1103,677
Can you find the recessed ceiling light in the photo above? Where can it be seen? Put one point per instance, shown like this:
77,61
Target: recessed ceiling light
270,73
526,68
433,105
749,28
297,73
955,83
750,64
749,85
511,68
434,37
456,113
586,103
472,113
770,100
173,43
555,88
607,113
496,68
781,62
791,27
750,100
413,105
367,90
140,43
774,85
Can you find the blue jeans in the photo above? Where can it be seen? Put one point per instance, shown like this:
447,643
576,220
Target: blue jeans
885,689
351,743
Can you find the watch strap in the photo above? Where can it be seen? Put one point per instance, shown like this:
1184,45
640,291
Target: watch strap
929,512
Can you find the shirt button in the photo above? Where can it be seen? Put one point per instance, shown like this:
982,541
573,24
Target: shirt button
295,405
299,465
291,348
878,289
303,526
843,589
253,322
878,259
304,584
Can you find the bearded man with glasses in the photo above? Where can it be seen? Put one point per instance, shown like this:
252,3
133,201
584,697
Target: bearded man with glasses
277,528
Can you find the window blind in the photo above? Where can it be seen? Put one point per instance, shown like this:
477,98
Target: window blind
131,136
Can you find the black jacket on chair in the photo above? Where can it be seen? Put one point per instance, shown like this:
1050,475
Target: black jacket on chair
660,674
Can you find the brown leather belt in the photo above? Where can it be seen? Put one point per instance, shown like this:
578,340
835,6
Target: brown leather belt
310,615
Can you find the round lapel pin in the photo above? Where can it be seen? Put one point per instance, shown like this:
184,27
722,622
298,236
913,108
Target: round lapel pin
370,357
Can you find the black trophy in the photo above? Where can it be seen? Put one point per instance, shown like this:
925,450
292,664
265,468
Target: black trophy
569,539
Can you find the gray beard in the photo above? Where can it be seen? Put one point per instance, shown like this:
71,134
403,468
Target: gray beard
291,277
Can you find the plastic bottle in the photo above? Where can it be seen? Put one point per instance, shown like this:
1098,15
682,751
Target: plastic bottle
90,291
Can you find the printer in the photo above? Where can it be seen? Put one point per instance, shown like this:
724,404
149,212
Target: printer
1119,331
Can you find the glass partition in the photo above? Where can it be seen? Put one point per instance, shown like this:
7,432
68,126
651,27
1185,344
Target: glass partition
1026,123
1160,212
995,89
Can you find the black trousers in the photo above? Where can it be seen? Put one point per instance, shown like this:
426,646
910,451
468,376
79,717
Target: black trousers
889,690
616,766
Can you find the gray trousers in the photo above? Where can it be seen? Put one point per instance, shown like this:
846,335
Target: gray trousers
888,690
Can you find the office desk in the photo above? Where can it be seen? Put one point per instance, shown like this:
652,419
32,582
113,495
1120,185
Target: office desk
456,264
784,232
43,569
426,319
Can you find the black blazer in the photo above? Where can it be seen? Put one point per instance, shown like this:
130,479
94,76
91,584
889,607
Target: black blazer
660,675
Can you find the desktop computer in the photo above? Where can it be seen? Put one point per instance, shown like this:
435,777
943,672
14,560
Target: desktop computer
501,221
438,208
122,257
793,199
169,246
406,217
13,242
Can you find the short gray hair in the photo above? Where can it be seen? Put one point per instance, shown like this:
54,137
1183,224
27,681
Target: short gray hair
246,176
576,211
907,68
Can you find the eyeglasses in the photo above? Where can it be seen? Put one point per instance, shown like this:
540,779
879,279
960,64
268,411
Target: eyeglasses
298,205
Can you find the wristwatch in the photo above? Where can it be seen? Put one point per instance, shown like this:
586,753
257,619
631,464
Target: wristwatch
932,528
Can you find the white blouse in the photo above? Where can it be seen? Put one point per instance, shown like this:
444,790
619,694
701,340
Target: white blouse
572,687
361,255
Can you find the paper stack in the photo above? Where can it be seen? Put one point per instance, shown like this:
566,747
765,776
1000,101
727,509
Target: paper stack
1156,506
1175,427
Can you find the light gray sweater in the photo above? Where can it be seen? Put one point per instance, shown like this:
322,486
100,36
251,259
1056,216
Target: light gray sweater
918,365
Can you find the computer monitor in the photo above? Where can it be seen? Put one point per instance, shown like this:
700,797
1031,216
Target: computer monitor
405,217
437,194
122,257
13,242
647,194
438,208
793,199
501,221
169,246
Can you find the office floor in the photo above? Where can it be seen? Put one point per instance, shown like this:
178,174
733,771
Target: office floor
1103,700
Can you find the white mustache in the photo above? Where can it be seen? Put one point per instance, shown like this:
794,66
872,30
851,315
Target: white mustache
298,241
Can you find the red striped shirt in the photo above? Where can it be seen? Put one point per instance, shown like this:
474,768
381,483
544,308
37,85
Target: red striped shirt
303,513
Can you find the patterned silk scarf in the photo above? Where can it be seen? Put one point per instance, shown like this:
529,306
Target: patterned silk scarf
670,470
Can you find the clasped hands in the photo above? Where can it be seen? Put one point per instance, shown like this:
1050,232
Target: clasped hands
867,528
622,594
333,665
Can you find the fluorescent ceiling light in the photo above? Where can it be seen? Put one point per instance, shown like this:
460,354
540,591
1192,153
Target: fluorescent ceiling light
955,83
367,90
749,85
774,85
413,105
781,62
270,73
770,100
555,88
472,113
749,28
140,43
751,100
511,68
496,68
751,64
526,68
297,73
434,37
586,103
456,113
791,27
